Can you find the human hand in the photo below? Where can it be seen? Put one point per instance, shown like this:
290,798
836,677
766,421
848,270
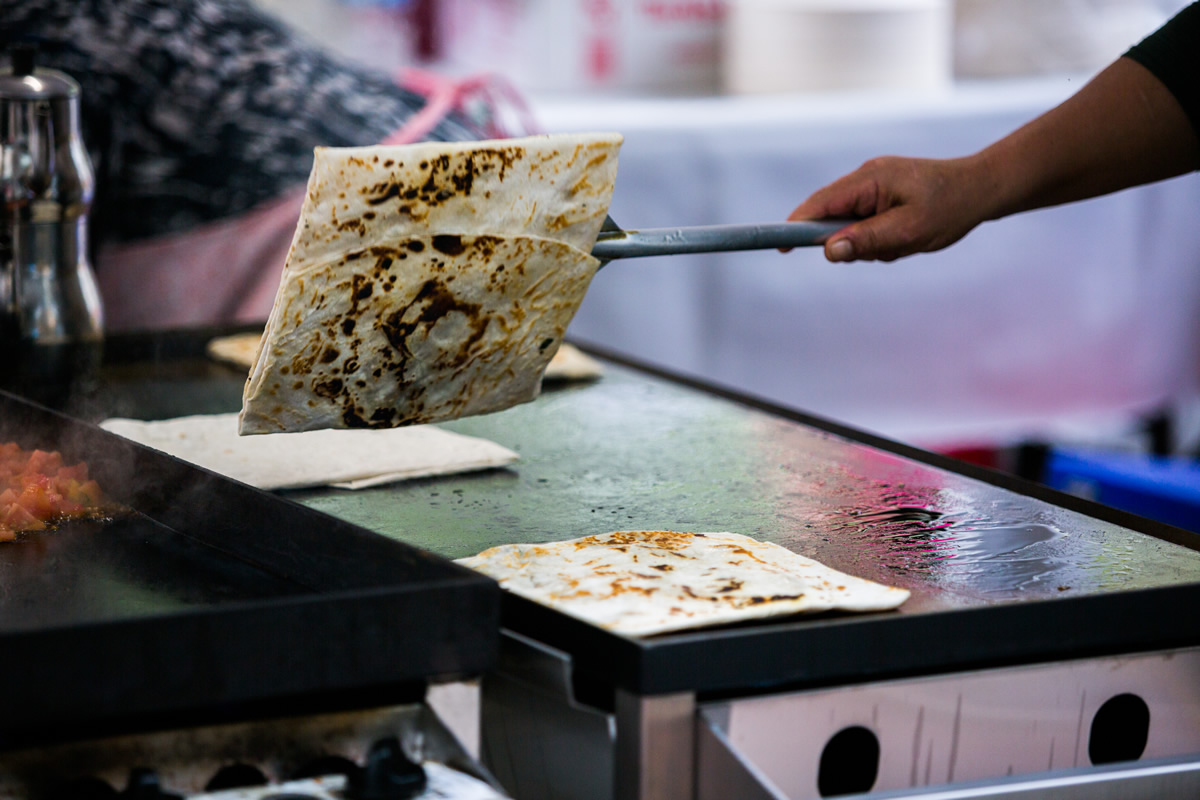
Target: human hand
907,205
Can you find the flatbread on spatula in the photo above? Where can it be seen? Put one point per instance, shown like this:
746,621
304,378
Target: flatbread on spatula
568,364
648,582
428,282
431,328
555,187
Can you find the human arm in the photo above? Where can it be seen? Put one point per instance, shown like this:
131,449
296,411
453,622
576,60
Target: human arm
1123,129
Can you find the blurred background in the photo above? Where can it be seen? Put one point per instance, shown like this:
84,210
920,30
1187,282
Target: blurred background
1064,331
675,47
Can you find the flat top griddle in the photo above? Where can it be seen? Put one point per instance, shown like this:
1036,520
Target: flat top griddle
1001,571
208,600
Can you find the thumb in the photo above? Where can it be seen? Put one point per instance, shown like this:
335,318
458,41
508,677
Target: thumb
855,242
814,208
841,248
871,239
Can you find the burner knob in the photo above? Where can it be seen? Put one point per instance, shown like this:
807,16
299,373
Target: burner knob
143,785
387,775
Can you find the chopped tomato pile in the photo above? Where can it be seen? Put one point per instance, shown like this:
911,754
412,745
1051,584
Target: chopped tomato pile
38,490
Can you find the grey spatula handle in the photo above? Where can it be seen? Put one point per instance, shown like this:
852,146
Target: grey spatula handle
713,238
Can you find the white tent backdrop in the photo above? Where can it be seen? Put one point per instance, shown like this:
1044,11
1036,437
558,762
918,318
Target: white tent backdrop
1048,323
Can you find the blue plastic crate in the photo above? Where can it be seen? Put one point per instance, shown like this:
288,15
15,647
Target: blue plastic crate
1163,489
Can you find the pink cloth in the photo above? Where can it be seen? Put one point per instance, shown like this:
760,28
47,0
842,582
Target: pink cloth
224,271
444,95
229,270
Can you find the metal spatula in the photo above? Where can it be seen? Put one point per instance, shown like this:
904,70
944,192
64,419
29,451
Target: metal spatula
613,242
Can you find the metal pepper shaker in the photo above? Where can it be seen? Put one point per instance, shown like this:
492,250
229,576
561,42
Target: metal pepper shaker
51,321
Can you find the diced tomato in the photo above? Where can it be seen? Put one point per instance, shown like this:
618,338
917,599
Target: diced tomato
77,472
38,500
69,509
37,488
20,518
44,461
87,493
34,478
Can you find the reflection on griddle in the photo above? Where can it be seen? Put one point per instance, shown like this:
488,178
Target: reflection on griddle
923,532
126,567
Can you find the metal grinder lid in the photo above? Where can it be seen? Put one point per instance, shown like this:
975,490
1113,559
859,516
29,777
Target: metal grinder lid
22,80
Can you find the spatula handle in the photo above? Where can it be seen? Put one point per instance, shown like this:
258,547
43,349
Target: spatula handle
713,238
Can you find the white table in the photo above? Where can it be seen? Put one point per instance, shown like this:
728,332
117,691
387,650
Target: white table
1051,322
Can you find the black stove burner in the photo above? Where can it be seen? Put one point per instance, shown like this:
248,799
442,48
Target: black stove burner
143,785
236,776
367,754
387,775
83,789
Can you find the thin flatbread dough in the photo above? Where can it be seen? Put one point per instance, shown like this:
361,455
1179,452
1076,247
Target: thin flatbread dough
346,459
426,328
642,583
555,187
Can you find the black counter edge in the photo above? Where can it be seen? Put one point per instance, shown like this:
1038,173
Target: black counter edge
844,649
117,677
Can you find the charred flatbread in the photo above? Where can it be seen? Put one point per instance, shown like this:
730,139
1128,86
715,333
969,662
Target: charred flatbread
429,328
568,364
428,282
554,187
648,582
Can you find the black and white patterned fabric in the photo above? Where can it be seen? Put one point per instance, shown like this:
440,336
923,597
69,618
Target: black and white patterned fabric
200,110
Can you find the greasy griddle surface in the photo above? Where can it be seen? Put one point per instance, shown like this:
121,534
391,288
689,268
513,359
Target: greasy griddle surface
207,598
125,567
1000,570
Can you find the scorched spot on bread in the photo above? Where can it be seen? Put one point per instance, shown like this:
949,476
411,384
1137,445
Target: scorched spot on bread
648,582
434,327
429,281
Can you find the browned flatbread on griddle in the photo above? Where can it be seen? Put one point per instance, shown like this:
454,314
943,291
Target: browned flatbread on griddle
649,582
236,349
